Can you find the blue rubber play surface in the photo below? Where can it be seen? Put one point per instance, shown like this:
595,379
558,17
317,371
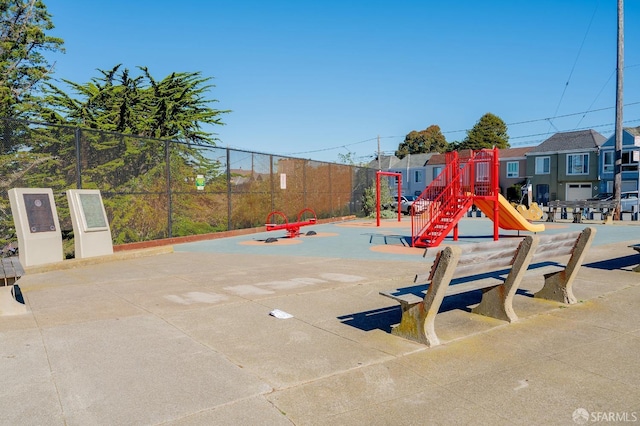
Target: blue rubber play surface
362,239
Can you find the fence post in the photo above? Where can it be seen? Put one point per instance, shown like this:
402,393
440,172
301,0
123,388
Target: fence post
304,183
272,182
331,205
229,223
77,133
167,154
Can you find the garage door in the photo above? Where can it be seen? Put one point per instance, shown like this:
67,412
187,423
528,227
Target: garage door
578,191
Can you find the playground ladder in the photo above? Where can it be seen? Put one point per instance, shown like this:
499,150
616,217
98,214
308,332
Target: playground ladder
446,200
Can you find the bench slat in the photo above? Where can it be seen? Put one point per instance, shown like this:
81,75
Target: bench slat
489,257
554,251
567,236
489,246
11,270
408,298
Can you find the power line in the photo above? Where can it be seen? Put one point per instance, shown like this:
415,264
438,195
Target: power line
583,113
341,146
574,64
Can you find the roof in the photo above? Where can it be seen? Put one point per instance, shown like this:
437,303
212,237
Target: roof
507,153
511,153
570,141
635,131
438,159
383,162
413,160
392,162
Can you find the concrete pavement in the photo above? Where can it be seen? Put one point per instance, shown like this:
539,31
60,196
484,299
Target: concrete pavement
183,335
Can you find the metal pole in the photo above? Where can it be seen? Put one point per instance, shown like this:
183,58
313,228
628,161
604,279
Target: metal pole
169,198
77,135
495,173
229,223
378,198
617,183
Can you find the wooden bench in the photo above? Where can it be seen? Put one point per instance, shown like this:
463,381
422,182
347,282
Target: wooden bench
636,247
11,300
420,304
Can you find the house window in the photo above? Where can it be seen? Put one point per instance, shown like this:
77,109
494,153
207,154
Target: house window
608,160
578,164
628,165
482,172
417,176
513,169
543,165
436,171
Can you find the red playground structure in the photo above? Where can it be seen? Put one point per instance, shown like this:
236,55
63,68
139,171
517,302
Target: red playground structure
464,182
293,228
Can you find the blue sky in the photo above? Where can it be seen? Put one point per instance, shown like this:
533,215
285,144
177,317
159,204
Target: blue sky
314,79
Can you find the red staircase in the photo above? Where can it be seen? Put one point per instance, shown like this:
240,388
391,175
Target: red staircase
448,198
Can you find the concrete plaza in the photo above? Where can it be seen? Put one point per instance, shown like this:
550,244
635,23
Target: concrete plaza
188,334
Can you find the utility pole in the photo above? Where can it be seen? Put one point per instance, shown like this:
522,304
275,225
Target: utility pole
617,182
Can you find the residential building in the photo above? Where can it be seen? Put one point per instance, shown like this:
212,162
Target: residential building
437,162
513,171
565,166
412,168
630,157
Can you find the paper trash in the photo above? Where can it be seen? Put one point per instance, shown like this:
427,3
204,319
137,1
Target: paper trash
280,314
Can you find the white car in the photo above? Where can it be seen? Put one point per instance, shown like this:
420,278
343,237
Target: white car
407,201
629,201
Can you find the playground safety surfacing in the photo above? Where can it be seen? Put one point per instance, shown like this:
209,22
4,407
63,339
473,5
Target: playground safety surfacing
364,239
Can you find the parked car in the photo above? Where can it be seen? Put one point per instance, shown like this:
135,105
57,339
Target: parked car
407,201
603,196
628,200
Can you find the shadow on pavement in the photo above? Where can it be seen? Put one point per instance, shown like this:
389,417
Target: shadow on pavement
615,263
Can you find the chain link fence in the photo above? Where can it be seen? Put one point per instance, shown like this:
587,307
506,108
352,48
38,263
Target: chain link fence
155,189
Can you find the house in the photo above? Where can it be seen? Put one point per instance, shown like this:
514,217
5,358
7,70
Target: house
565,166
437,162
513,171
412,168
630,157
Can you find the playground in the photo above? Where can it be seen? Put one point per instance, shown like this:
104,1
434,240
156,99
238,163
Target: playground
461,185
286,325
185,335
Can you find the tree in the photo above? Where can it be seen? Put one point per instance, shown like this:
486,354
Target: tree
172,108
488,132
23,39
430,139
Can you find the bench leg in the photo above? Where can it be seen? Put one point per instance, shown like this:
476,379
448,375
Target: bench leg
558,286
414,325
497,302
11,301
418,320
